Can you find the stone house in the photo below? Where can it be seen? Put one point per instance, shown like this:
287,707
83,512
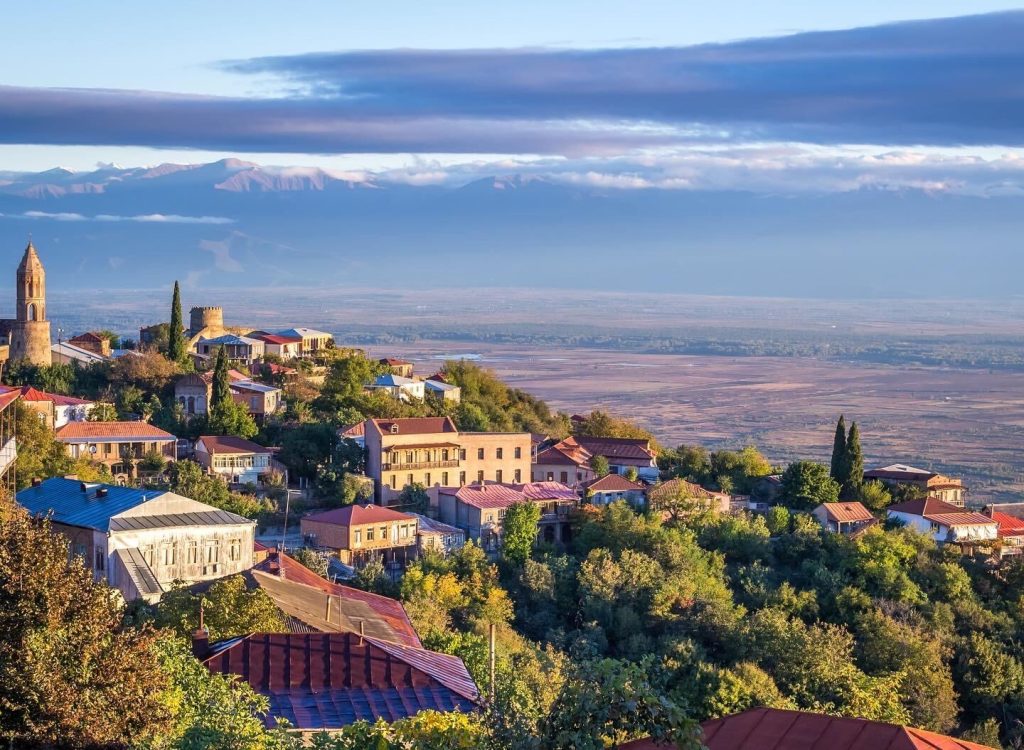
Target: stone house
612,488
356,533
92,342
930,483
120,446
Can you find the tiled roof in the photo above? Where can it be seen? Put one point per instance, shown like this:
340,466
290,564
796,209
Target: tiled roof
1008,525
89,336
556,455
9,397
503,495
331,680
777,729
384,617
352,431
933,509
28,393
616,448
847,512
111,431
356,515
415,425
276,338
678,487
230,444
427,525
612,483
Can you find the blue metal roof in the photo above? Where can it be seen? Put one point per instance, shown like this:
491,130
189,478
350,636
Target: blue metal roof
64,497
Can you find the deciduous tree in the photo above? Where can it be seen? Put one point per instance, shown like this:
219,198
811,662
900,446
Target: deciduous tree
519,531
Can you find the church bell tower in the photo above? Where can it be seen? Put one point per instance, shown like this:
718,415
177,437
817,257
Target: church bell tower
30,336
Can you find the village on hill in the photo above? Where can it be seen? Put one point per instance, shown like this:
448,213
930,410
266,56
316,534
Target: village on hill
266,538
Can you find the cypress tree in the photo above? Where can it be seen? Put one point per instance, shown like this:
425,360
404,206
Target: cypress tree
176,340
838,470
854,463
221,393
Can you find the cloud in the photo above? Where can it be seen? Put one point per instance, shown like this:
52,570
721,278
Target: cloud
140,219
944,82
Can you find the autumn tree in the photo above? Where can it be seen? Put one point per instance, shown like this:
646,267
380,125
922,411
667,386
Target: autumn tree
230,609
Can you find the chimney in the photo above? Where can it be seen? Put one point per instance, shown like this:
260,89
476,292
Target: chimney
201,638
327,616
361,632
36,481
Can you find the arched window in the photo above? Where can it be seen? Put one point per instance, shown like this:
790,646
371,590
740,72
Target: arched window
31,312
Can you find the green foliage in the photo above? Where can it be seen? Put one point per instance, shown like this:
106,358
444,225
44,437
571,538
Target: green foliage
187,478
220,393
231,418
313,559
40,455
839,470
806,484
427,730
175,335
230,609
854,464
601,424
307,448
519,531
103,412
600,465
489,404
874,496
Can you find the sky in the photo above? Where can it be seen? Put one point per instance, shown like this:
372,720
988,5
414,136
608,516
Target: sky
752,95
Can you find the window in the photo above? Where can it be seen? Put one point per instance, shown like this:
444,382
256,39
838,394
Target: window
101,558
147,555
517,476
78,550
408,479
369,535
462,454
444,478
518,452
551,476
564,477
426,479
394,481
479,477
192,554
169,554
499,453
409,457
462,479
358,537
497,476
235,550
501,514
383,533
480,453
444,454
405,531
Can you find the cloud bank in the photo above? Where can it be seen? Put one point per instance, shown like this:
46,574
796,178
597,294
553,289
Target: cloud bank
139,219
946,82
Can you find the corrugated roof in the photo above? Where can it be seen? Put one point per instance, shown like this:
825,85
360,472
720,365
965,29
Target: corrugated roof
898,472
847,512
215,517
1008,525
331,680
933,509
140,573
777,729
110,432
496,495
230,444
356,515
415,425
391,380
612,483
427,525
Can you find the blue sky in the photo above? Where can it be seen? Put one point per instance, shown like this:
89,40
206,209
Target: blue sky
610,93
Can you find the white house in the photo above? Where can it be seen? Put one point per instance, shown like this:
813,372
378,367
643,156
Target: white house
238,348
235,460
313,341
403,389
442,390
944,522
285,347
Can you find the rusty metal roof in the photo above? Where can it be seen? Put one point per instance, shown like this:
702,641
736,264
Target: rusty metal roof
331,680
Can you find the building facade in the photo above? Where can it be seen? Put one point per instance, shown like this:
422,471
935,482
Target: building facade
235,460
120,446
356,533
947,489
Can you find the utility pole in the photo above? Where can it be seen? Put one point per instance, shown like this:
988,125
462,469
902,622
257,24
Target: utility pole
490,649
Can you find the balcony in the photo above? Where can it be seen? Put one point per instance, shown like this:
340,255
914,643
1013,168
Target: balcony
8,454
453,464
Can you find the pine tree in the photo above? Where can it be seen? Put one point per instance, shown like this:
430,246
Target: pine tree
221,393
854,463
176,340
838,470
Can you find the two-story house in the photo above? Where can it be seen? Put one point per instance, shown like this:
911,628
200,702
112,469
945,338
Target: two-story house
400,367
356,533
313,341
431,451
54,410
402,389
930,483
943,522
285,347
480,509
569,461
235,460
242,349
142,541
612,488
119,446
193,393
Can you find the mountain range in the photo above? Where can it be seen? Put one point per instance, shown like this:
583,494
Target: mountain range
233,223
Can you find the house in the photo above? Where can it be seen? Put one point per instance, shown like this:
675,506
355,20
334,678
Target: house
402,389
238,348
844,518
569,460
944,522
356,433
782,729
398,366
431,451
66,353
193,392
285,347
8,444
677,496
139,540
765,491
54,409
1010,532
313,341
945,488
119,446
271,370
237,461
612,488
92,342
327,681
443,391
358,533
479,509
431,534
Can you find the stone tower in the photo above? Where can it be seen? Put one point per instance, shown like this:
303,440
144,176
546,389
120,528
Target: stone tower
30,335
205,317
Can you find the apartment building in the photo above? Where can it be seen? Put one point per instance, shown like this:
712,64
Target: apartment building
431,451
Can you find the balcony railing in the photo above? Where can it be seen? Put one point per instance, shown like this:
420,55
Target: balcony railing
453,464
8,454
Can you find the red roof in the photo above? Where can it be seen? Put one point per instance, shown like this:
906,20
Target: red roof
1008,525
414,425
762,728
352,431
357,515
933,509
9,397
559,455
389,610
331,680
616,448
394,362
89,336
503,495
847,512
612,483
273,338
231,444
28,393
113,431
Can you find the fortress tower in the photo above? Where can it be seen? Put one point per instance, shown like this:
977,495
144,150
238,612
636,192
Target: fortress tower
201,318
30,331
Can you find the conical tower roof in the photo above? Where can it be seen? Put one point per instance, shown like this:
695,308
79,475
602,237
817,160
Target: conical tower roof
30,261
